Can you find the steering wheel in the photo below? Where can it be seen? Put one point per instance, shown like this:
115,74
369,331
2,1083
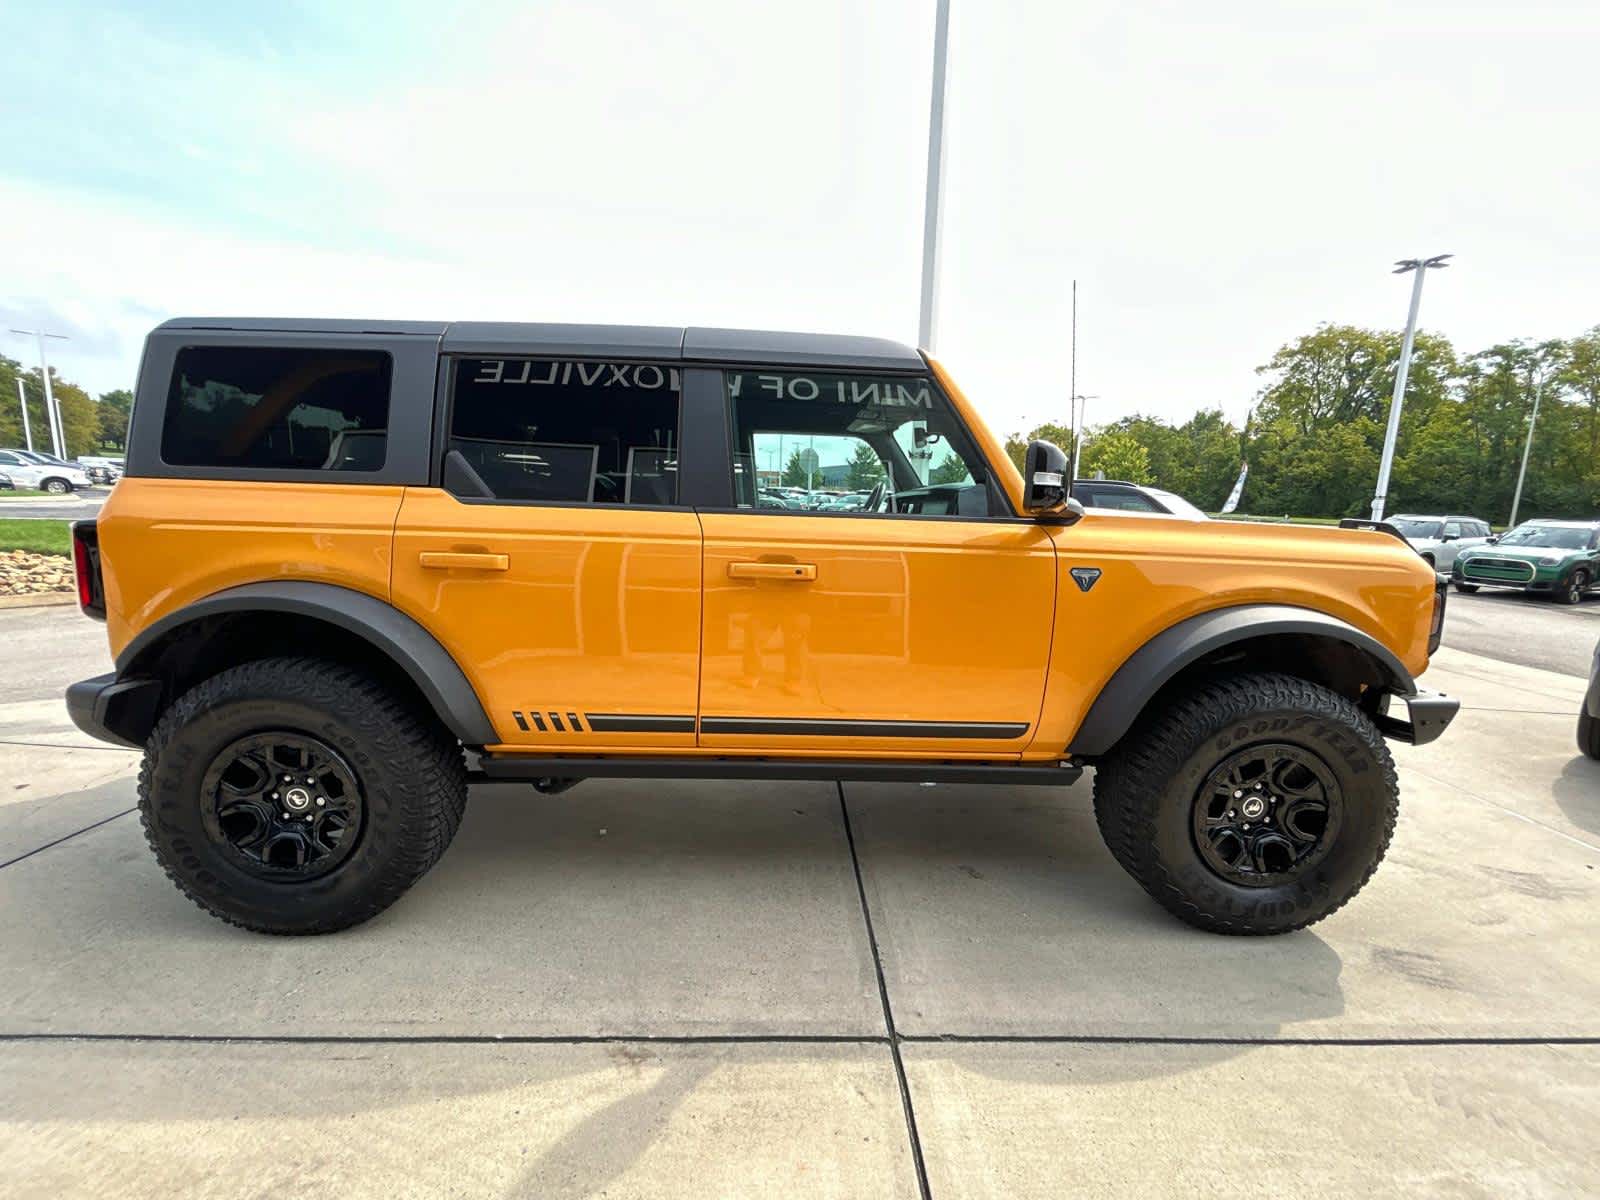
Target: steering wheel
874,498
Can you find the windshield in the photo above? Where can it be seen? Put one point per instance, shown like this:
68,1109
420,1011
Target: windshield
1418,529
1552,537
1177,505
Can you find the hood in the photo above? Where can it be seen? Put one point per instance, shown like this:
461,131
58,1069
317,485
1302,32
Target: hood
1537,555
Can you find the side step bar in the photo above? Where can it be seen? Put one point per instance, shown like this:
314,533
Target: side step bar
531,768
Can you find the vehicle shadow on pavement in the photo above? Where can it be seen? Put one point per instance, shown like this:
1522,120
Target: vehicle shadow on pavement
1577,791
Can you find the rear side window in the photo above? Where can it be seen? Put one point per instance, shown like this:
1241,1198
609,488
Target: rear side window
279,408
567,431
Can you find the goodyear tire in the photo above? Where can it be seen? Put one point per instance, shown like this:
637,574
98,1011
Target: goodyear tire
294,795
1252,804
1589,735
1571,589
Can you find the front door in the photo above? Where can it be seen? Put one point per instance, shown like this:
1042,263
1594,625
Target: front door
554,561
863,597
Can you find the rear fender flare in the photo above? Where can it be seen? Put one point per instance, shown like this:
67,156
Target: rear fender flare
407,644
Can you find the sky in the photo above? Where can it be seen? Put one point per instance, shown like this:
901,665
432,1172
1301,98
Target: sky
1219,178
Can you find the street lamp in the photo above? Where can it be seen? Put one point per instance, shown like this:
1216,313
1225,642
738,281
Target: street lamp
1527,447
58,439
932,204
1421,266
1078,406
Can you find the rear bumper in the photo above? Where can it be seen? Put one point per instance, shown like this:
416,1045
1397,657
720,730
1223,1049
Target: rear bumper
1430,715
114,710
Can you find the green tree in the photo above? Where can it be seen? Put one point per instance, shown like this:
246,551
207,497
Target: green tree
1017,444
794,471
115,409
950,469
1118,454
866,470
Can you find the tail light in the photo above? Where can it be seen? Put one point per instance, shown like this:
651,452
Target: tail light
86,566
1441,587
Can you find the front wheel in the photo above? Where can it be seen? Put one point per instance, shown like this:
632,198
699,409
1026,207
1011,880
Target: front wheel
294,795
57,487
1571,592
1253,804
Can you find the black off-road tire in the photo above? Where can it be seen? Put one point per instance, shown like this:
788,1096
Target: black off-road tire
409,770
1571,589
1466,588
1146,789
1589,735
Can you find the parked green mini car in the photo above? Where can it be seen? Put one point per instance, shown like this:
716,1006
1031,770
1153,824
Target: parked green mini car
1559,558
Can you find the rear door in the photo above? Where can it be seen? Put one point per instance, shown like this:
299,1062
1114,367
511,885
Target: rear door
554,559
918,624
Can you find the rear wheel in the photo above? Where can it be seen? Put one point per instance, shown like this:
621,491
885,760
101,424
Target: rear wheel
57,487
1589,735
1467,588
1253,804
293,795
1572,589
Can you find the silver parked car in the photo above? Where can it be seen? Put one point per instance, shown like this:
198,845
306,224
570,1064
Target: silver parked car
1440,539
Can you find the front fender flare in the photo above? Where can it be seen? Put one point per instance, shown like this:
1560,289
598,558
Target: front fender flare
408,645
1154,664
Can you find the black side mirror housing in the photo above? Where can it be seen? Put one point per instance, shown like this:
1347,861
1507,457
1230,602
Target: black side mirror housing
1045,487
1493,538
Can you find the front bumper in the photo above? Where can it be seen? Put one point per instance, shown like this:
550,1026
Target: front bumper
1430,715
114,710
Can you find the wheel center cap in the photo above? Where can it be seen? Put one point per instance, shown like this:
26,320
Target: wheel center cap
1253,807
297,798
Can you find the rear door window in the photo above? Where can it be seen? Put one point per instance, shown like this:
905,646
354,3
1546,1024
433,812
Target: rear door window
279,408
568,431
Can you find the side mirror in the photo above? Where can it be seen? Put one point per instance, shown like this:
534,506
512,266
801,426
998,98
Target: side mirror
1045,487
1493,538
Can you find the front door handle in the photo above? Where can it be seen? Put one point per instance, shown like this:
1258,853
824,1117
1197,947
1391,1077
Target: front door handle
793,571
442,560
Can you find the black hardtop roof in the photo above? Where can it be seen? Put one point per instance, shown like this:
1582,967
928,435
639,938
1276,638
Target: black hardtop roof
689,344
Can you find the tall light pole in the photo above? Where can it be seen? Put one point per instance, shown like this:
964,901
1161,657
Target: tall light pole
1421,266
22,398
933,202
1079,408
58,440
1516,498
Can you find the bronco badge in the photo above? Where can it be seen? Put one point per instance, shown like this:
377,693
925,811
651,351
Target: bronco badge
1085,577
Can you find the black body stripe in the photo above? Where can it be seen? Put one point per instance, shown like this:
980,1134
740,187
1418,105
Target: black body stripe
572,720
638,723
555,720
522,722
834,728
538,722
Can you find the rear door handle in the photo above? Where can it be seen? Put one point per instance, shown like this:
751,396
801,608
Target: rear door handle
795,572
443,560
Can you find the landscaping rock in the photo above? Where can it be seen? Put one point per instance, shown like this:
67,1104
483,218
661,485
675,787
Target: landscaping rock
22,573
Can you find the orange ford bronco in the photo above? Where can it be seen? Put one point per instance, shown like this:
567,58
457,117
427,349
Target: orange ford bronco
353,567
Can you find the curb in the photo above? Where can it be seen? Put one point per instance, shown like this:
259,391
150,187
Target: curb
38,600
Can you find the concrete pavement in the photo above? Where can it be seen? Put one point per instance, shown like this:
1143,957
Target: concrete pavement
676,989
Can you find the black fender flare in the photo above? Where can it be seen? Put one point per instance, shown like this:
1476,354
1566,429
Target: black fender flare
1154,664
407,644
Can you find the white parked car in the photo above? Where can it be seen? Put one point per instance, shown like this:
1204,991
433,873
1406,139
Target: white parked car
51,476
1440,539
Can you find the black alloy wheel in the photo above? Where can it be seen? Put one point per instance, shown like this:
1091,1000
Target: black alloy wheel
285,805
1267,814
